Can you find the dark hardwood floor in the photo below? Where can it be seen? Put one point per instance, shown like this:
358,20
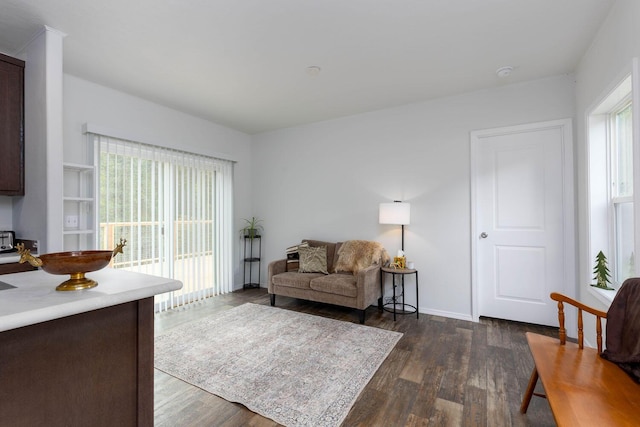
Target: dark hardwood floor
443,372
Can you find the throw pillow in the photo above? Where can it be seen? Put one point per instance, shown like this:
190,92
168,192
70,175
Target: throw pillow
313,259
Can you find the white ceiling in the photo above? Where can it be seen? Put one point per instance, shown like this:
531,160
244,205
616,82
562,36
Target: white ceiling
242,63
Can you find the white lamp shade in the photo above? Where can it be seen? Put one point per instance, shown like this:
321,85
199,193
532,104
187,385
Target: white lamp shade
395,213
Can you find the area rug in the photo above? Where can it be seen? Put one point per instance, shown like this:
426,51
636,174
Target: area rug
295,368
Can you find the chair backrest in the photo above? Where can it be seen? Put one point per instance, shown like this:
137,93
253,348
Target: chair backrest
581,307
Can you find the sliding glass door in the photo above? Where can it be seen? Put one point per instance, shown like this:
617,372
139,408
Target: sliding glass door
174,209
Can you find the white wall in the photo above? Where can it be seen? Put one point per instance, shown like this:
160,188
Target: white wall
604,64
6,209
86,102
325,180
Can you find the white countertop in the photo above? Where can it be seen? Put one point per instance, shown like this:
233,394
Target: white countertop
35,299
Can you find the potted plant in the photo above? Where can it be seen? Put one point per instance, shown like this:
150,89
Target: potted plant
252,227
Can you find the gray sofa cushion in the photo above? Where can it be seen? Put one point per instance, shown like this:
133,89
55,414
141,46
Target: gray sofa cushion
293,279
338,284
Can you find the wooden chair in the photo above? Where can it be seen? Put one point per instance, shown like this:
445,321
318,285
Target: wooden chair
581,387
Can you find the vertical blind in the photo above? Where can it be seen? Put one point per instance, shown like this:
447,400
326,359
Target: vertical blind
175,210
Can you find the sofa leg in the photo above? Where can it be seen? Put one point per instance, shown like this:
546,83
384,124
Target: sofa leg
361,317
272,297
380,303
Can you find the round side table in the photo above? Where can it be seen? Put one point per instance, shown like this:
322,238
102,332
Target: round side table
402,272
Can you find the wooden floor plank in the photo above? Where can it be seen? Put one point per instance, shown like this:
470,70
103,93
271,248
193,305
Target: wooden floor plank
474,409
477,372
442,372
415,421
423,406
446,414
397,407
365,411
456,365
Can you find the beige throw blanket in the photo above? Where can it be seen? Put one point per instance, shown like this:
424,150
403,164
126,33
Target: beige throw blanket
356,255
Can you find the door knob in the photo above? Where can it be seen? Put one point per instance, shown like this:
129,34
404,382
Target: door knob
483,235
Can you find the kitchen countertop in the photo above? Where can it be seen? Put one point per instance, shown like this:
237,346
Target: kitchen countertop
35,299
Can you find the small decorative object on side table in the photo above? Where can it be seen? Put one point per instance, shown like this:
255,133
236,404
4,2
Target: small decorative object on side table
395,310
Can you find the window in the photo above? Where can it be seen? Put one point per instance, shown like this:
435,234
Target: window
621,182
174,209
611,182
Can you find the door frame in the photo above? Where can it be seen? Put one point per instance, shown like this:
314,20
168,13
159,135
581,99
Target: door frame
569,229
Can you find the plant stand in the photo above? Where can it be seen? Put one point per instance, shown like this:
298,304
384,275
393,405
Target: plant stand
251,261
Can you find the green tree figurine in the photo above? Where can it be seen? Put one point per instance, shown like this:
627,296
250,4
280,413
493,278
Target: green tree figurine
601,271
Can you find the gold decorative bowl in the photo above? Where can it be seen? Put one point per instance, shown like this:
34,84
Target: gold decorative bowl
74,263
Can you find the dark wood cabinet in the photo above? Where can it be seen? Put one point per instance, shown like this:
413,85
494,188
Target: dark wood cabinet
88,369
14,267
11,126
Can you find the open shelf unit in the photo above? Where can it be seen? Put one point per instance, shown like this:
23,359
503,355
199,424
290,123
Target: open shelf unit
79,207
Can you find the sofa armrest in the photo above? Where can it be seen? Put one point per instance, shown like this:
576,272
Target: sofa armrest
275,267
368,283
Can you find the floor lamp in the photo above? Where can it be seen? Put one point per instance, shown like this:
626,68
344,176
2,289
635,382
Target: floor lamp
397,213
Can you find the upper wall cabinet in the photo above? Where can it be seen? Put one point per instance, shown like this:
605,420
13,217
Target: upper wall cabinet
11,126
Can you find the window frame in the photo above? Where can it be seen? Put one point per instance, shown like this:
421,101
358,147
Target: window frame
615,199
600,168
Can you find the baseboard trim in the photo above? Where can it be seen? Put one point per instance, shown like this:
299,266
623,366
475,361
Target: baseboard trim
450,314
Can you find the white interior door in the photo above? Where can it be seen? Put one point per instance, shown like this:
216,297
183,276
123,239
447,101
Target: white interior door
522,200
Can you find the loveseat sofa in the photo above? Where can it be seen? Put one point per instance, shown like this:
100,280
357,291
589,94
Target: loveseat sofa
351,277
